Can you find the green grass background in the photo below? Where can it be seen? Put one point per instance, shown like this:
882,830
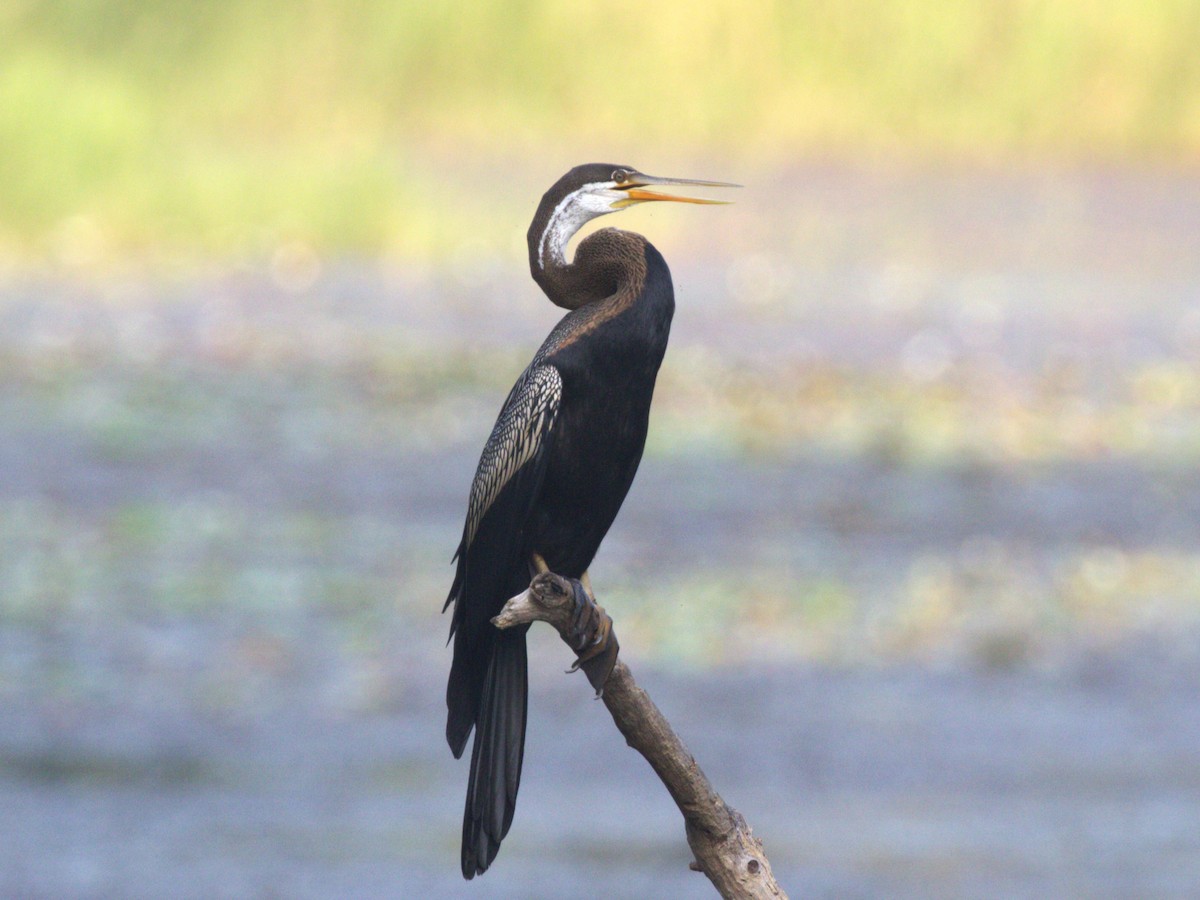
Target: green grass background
215,128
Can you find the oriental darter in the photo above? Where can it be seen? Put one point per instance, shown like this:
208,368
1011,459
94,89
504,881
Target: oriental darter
556,467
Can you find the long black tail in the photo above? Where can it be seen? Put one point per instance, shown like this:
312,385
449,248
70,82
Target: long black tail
498,751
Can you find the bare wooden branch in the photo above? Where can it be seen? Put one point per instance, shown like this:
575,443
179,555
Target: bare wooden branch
725,848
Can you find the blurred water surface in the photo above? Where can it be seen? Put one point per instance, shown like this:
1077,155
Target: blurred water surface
912,561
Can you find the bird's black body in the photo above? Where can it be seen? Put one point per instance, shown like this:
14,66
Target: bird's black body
553,475
608,380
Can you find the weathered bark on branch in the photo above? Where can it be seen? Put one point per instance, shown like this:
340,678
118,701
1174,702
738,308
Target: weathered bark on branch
724,846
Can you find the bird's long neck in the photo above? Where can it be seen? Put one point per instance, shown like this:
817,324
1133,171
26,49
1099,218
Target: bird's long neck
606,264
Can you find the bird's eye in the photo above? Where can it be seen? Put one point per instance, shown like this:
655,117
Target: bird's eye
620,176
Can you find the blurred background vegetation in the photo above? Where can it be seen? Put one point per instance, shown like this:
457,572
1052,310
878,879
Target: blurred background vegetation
926,441
168,128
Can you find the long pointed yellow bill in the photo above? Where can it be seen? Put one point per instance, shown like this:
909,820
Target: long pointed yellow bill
635,192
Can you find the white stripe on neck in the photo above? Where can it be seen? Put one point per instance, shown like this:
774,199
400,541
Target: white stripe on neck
574,211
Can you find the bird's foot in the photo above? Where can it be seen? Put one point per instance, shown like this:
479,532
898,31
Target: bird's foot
591,637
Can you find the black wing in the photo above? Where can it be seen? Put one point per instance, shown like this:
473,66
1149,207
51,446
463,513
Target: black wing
517,439
490,569
488,689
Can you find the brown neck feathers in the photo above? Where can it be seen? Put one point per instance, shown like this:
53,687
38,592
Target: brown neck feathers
607,263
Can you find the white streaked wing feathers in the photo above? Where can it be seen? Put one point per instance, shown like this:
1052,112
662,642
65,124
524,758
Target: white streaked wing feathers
523,424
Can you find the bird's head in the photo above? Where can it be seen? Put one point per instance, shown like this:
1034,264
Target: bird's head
593,190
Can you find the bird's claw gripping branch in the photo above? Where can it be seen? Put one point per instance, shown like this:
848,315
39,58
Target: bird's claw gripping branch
567,605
